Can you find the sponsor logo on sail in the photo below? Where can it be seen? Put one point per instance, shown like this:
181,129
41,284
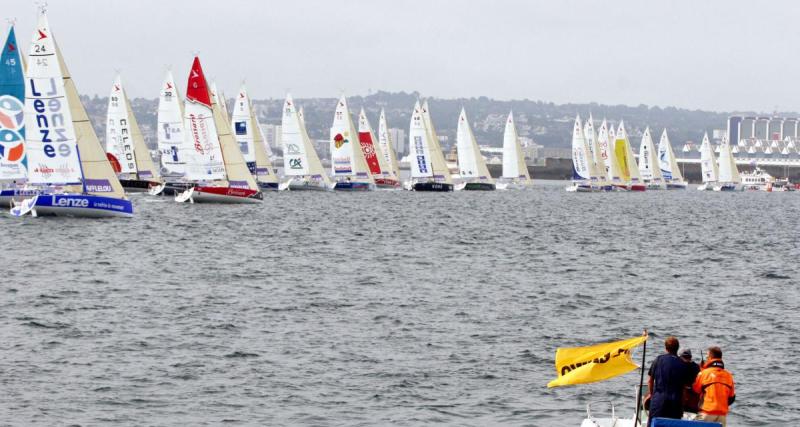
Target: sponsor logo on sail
339,141
296,163
49,117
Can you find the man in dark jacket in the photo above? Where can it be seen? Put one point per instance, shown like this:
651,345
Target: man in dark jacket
669,375
691,400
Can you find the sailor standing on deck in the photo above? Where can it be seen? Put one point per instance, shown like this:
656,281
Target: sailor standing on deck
716,386
668,377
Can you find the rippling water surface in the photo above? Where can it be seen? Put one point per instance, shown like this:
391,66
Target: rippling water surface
390,307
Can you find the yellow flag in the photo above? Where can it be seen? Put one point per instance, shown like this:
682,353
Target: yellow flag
581,365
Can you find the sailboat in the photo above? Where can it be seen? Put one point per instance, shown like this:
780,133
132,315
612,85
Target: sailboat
629,171
428,171
609,165
515,170
266,176
350,170
300,160
125,145
173,145
13,158
472,168
216,164
387,148
65,158
581,161
728,178
251,142
379,165
599,176
648,164
668,165
708,165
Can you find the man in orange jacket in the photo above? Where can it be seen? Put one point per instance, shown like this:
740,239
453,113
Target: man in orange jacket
715,386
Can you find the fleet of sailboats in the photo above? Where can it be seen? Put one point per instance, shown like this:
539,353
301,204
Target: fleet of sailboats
51,161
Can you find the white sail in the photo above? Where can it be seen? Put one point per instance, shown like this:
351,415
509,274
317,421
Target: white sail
243,127
347,158
666,160
438,163
514,166
596,171
728,172
581,163
708,163
419,146
50,138
205,163
648,164
118,129
387,148
170,133
373,153
299,156
471,164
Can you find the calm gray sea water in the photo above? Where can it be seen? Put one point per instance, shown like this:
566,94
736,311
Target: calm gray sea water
391,307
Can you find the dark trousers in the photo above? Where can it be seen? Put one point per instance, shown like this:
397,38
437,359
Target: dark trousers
665,409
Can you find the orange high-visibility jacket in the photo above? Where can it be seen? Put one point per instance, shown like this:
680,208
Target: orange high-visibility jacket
715,384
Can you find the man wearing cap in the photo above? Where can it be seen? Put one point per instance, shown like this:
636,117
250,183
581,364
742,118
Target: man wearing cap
669,375
715,384
691,400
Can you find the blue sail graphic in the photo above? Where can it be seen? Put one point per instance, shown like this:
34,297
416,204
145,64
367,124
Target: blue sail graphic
12,105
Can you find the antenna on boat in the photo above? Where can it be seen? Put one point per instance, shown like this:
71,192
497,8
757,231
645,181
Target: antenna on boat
641,382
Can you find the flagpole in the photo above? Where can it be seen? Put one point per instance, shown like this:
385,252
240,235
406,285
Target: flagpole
641,383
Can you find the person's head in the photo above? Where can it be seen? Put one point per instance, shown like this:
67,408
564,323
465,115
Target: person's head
714,353
686,355
671,344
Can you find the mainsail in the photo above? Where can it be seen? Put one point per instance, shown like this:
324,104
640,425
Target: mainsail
581,162
470,161
596,166
387,148
373,153
514,166
666,160
708,163
13,159
648,165
439,167
605,141
170,131
728,172
347,159
419,146
205,162
629,171
244,129
124,139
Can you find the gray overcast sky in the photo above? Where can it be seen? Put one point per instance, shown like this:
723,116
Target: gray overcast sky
719,55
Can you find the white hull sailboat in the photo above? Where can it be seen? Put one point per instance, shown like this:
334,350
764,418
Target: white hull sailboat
348,163
125,145
708,165
72,174
378,163
648,165
471,165
429,170
515,170
673,178
216,165
301,165
173,146
728,179
581,161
